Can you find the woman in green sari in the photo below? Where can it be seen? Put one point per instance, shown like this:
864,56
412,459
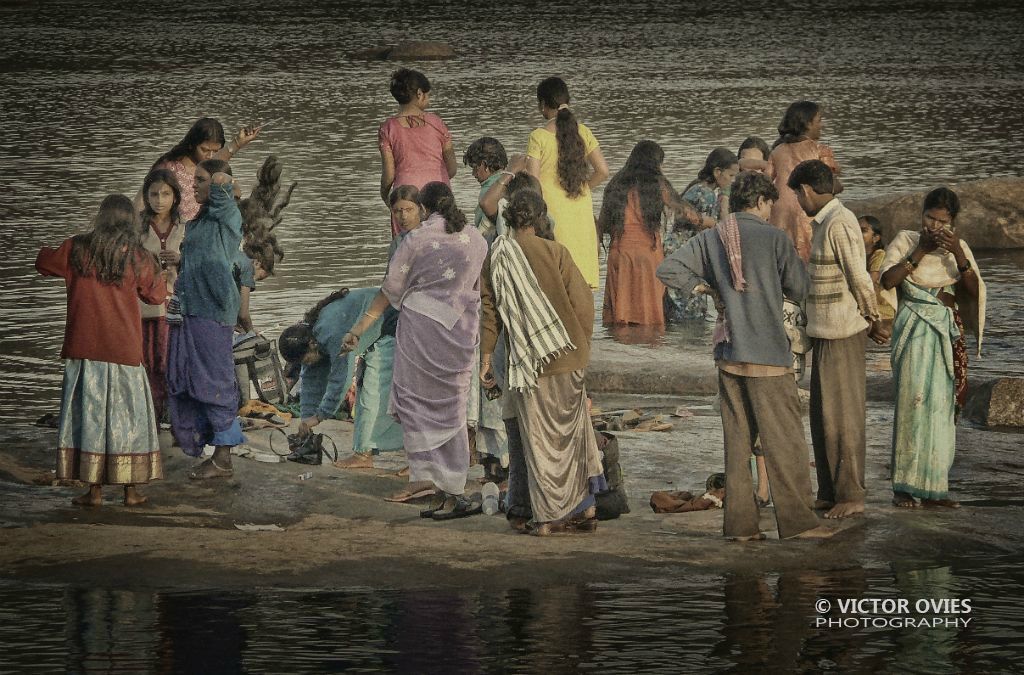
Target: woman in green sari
940,292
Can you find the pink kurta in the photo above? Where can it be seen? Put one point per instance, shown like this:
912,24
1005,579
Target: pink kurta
418,152
189,207
787,214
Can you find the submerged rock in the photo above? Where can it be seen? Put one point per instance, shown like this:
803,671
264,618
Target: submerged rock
411,50
998,403
991,212
420,50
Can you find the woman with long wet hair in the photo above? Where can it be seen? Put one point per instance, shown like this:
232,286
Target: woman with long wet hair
635,202
107,433
565,156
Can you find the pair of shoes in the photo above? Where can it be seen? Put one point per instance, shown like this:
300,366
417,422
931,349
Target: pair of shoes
460,508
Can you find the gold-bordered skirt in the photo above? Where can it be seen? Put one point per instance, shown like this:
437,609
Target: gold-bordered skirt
107,433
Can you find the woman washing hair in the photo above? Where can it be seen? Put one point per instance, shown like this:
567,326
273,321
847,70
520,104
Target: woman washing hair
566,158
201,383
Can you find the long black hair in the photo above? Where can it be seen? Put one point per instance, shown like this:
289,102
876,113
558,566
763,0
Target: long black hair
166,177
572,154
261,213
795,122
294,340
114,243
719,158
437,197
642,173
204,129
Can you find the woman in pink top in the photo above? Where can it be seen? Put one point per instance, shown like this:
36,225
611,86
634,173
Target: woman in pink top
415,146
205,140
799,132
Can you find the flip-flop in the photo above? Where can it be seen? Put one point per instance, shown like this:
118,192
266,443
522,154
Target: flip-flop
405,496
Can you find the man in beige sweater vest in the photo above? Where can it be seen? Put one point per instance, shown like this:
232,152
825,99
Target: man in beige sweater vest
841,308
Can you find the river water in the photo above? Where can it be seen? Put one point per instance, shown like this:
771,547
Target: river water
915,94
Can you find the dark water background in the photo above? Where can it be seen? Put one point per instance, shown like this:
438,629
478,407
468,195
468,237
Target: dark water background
915,93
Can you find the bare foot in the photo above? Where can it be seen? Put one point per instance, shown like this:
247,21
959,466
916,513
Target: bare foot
133,497
209,469
94,497
845,510
359,460
819,532
940,503
820,504
903,500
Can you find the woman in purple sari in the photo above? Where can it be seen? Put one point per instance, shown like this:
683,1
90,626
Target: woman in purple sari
434,279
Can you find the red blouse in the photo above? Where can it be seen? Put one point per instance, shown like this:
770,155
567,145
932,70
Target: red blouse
104,322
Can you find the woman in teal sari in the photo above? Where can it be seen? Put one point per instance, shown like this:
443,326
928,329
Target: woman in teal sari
940,292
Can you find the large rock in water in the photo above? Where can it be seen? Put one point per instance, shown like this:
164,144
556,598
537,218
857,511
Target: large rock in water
412,50
998,403
420,50
991,212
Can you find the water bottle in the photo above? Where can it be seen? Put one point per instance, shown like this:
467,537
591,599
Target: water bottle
490,494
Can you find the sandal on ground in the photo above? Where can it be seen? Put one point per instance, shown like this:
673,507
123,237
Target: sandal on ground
410,495
460,508
209,469
902,500
436,504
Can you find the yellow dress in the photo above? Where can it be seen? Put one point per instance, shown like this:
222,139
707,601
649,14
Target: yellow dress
574,218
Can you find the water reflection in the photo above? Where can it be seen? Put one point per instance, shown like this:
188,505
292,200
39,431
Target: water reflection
749,622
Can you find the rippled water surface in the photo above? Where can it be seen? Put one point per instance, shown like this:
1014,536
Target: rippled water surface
735,623
915,93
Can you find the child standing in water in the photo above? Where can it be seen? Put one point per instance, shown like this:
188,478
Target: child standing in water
415,146
107,433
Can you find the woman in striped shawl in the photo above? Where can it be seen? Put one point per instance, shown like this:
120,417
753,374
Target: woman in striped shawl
531,288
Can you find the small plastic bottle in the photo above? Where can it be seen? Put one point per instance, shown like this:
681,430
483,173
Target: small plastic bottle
490,497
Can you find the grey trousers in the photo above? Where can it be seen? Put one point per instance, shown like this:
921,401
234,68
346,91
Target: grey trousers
769,407
838,393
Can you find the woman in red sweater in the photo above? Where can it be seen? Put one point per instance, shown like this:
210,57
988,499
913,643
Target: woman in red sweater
107,433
